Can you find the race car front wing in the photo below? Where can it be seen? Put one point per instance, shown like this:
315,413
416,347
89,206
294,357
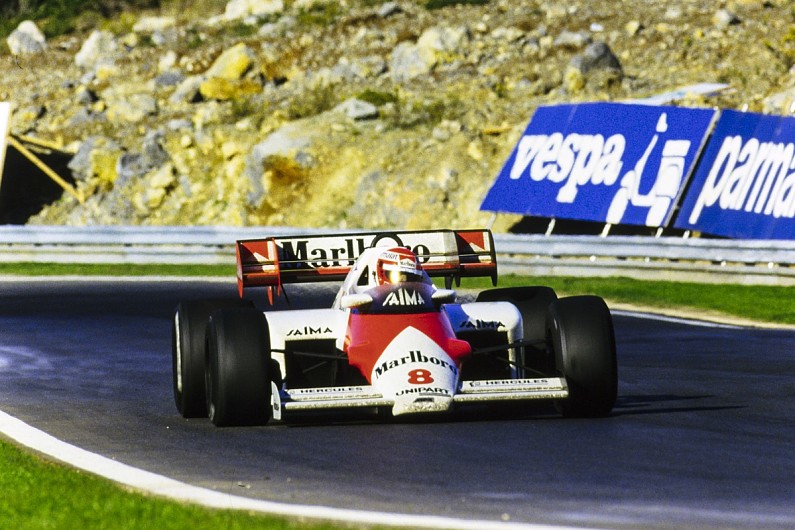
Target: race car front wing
312,399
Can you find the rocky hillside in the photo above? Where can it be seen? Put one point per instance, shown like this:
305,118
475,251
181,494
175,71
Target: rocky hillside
357,113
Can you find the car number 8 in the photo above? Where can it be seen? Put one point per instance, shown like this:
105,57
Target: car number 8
420,376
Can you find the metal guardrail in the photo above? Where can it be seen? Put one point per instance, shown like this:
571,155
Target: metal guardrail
126,244
703,260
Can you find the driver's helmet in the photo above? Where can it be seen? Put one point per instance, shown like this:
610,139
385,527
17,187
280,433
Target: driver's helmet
398,265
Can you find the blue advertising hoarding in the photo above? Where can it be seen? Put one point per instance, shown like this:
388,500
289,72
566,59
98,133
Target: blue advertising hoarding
744,186
607,162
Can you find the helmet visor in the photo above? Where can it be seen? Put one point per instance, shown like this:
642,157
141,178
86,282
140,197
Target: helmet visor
401,276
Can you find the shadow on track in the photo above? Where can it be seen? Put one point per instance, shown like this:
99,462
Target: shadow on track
640,404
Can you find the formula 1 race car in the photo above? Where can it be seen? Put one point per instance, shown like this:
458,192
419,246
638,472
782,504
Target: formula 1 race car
392,340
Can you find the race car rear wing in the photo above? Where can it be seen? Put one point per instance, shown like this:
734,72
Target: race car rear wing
273,261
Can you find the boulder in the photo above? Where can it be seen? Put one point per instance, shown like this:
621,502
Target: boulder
572,39
436,45
132,166
780,103
100,47
357,109
187,91
369,66
442,44
149,25
289,142
130,107
159,182
388,9
82,163
221,89
597,65
241,9
507,34
169,78
26,39
406,63
232,63
597,56
723,18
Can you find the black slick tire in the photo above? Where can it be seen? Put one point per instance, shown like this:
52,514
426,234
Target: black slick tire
237,381
580,333
188,352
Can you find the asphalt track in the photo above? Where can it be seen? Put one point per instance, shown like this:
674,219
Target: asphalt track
701,437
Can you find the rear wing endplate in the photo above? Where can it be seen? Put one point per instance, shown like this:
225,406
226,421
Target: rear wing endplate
273,261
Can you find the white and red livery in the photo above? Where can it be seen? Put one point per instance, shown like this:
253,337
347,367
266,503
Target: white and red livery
392,340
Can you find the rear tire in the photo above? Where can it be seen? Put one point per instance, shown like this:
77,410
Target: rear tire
532,302
188,353
237,381
580,331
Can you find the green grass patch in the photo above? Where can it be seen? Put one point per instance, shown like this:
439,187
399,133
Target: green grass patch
754,302
108,269
319,14
314,101
39,494
773,304
377,97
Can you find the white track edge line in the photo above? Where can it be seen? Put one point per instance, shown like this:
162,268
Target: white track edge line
160,485
675,320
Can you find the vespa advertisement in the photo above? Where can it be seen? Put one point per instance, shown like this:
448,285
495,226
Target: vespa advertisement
604,162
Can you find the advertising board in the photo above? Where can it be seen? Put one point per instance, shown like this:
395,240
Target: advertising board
607,162
744,186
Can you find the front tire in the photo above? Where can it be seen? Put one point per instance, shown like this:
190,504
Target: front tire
237,378
580,331
188,353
